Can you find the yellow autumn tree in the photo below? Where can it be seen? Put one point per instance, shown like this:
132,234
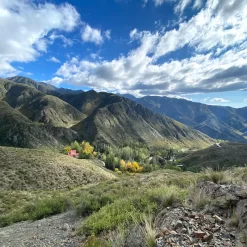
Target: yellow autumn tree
86,148
130,166
122,165
66,149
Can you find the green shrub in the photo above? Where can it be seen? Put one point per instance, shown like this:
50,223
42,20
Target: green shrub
173,167
127,210
214,176
93,241
46,207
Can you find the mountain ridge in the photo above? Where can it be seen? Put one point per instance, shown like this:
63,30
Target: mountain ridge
218,122
105,117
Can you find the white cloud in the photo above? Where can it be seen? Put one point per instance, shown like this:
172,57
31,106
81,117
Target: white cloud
108,34
158,2
93,35
245,100
66,42
219,100
55,60
217,37
180,5
24,26
56,81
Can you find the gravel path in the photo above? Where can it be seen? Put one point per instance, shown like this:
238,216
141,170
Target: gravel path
55,231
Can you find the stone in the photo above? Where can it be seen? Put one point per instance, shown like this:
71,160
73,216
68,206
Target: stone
218,219
199,234
65,227
165,231
241,214
178,224
208,237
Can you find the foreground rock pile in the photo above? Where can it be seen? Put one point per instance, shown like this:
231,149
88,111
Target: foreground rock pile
222,223
184,227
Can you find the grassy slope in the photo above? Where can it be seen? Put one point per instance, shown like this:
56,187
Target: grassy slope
51,110
39,107
17,130
228,155
26,169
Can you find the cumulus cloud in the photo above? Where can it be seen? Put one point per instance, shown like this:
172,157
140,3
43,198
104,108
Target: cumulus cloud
219,100
56,81
55,60
24,27
217,37
94,35
245,100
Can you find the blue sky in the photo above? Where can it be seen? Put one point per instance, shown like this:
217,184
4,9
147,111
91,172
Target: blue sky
193,49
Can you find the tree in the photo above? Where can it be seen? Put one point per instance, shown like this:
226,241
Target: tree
86,148
76,146
66,150
122,165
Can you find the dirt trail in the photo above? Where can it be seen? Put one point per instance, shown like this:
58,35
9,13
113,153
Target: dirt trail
55,231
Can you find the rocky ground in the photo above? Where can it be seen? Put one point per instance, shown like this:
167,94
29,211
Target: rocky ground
184,227
55,231
222,223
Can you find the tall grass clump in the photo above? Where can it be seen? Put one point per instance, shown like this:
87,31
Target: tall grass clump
149,231
214,176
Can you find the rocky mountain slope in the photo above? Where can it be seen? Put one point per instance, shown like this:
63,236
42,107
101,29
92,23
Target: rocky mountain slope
218,122
97,117
120,121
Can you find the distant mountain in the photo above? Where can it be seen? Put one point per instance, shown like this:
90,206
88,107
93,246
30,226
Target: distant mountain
128,96
97,117
117,121
39,107
218,122
42,86
221,156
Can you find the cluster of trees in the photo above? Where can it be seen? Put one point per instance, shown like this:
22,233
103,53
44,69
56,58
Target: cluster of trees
85,150
128,158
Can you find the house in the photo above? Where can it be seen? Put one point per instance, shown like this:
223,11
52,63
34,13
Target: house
73,153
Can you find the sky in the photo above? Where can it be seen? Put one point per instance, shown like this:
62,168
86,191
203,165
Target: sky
192,49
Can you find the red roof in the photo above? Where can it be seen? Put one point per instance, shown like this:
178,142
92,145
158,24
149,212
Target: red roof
73,153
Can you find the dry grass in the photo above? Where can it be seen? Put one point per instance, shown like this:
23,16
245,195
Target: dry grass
25,169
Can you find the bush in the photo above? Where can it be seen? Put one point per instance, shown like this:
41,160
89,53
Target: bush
93,241
214,176
127,210
173,167
47,207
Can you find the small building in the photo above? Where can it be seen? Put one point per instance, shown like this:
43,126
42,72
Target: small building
73,153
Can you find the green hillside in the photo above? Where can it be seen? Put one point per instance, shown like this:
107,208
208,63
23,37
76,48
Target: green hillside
221,156
31,169
17,130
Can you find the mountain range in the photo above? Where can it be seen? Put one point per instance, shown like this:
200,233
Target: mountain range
37,114
218,122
